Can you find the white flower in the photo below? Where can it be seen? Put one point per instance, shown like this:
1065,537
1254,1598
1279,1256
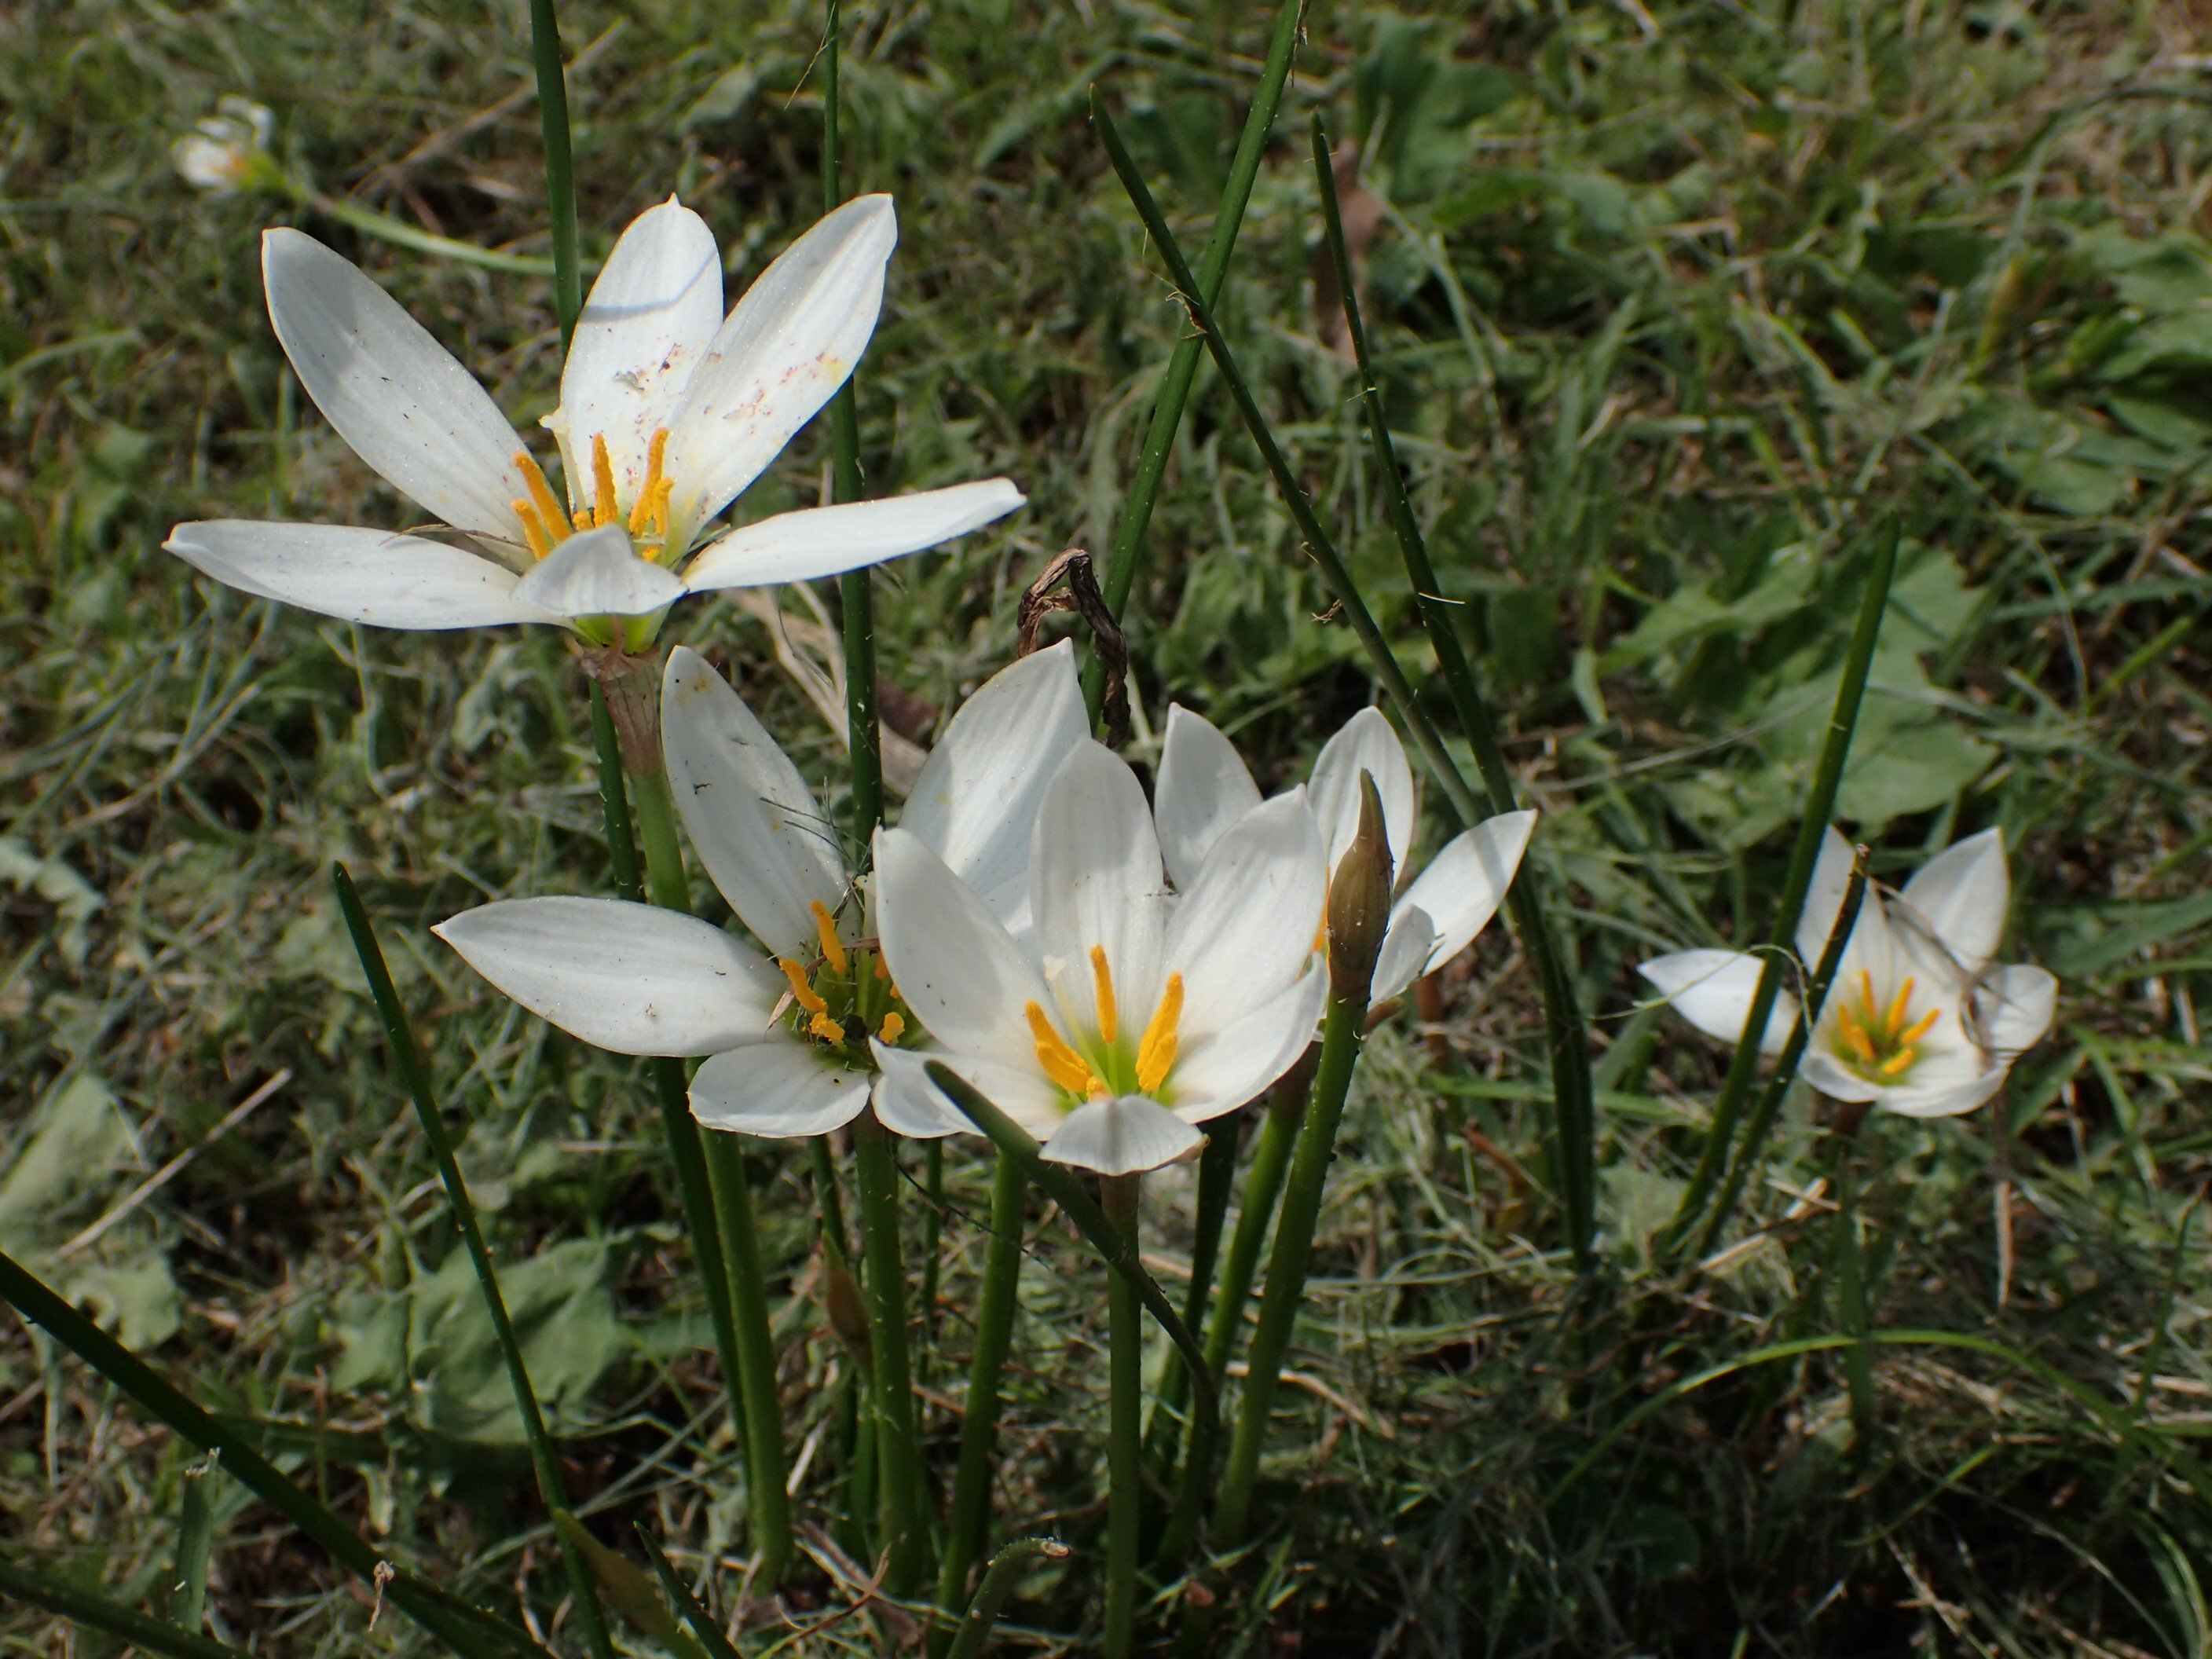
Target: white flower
1918,1019
229,150
668,411
788,1034
1130,1015
1204,788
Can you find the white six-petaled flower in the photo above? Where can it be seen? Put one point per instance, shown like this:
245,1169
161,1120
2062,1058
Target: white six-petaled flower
1918,1019
1130,1014
1205,788
790,1035
668,411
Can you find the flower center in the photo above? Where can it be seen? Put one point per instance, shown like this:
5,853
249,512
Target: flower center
546,524
1876,1041
842,998
1101,1063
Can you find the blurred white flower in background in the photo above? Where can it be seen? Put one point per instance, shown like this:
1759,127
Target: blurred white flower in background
228,151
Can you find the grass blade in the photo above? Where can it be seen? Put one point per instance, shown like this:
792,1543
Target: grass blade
466,1628
113,1618
716,1645
1120,1197
414,1078
970,1514
559,165
195,1538
1005,1572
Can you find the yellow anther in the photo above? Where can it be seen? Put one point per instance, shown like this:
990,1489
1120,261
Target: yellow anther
1102,985
1920,1027
1854,1034
602,483
894,1028
1061,1063
642,510
1895,1017
1898,1062
1156,1054
533,532
557,527
802,993
826,1028
825,929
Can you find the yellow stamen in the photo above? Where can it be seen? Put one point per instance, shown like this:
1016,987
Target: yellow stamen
1854,1034
1156,1054
800,990
1099,1089
602,483
1895,1017
1102,982
1866,998
826,1028
894,1028
825,928
533,532
1898,1062
1921,1027
1061,1063
642,510
557,527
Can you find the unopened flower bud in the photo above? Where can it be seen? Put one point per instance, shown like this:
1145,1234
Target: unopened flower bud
1359,899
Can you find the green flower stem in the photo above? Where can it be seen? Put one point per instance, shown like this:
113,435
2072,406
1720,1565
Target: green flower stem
466,1628
414,1078
1128,550
1797,881
614,801
110,1617
1287,1262
828,1204
710,1170
1785,1068
1061,1185
979,1426
560,166
898,1457
1005,1572
1573,1093
1119,1197
856,589
763,1415
1217,1180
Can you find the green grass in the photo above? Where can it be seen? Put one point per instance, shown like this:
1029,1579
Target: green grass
1674,305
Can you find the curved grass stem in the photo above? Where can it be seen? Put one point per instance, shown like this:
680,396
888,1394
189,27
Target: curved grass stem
1796,882
1573,1093
414,1078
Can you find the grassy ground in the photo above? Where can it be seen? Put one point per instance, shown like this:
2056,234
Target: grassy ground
1677,302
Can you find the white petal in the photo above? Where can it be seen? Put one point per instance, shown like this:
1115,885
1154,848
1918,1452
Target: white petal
1713,990
790,342
1406,945
976,801
1245,931
2015,1006
360,575
828,541
1823,1071
393,393
954,963
1203,786
1228,1068
643,332
1367,744
1947,1101
1095,880
1962,893
910,1104
1824,899
1465,882
763,840
629,977
598,574
1120,1135
776,1088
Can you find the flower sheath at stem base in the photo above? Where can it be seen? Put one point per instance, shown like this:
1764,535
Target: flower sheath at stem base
631,684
